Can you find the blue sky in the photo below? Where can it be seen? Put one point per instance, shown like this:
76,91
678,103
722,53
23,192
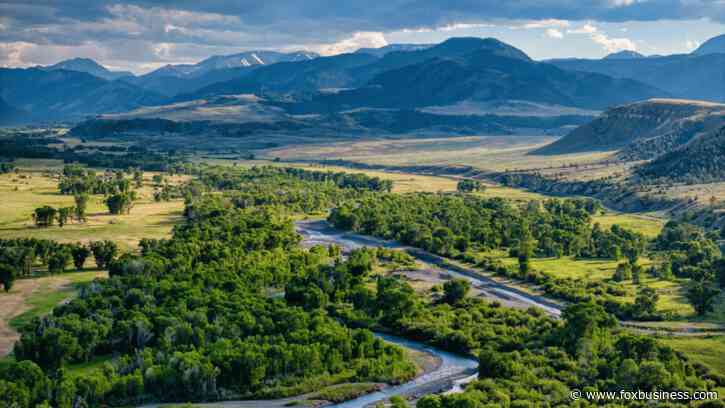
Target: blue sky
141,35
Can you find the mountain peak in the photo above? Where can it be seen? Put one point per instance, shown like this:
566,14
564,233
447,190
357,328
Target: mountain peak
75,64
381,51
625,54
465,45
715,45
88,66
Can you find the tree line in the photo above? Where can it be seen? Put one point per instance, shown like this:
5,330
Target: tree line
23,257
190,319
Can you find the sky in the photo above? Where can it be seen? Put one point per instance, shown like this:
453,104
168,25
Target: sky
142,35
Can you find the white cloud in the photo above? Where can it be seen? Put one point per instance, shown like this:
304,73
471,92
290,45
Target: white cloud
11,54
361,39
622,3
554,33
463,26
544,24
608,43
587,28
692,45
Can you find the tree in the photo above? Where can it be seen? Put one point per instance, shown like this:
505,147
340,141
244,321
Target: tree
80,253
645,304
58,260
120,203
468,186
104,252
455,290
720,271
44,216
623,272
585,322
398,402
665,270
636,274
395,299
702,296
64,214
7,276
526,248
138,178
158,179
81,206
360,262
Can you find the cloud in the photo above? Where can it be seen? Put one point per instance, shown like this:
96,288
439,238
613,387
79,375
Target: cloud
587,28
152,32
607,43
551,22
358,40
554,33
692,45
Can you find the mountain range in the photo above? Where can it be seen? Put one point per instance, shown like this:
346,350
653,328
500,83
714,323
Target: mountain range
399,76
88,66
698,75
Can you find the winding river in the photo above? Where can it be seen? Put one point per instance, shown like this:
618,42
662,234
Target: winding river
453,372
320,232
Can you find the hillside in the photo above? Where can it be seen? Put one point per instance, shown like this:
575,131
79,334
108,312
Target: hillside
302,76
642,130
702,160
9,114
482,75
68,95
251,120
715,45
172,80
88,66
688,76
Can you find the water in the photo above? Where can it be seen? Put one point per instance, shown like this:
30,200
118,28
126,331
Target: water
451,365
320,233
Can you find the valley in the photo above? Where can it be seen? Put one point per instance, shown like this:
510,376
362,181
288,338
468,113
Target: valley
444,223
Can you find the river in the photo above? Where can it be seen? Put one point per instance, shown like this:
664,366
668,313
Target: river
321,233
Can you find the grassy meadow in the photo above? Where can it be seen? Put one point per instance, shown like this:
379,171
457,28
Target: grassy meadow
33,187
495,153
672,293
708,351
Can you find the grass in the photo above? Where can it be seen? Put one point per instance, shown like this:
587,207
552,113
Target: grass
344,392
646,225
515,194
708,351
31,188
50,293
672,295
76,370
497,153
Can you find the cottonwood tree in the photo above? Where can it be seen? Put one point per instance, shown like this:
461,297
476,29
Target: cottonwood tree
121,203
81,206
44,216
104,252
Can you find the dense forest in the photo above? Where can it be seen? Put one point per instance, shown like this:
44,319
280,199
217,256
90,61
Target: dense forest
191,319
42,145
231,306
465,227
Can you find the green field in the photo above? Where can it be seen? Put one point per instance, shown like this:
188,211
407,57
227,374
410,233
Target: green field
672,295
497,153
52,291
647,225
32,188
708,351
